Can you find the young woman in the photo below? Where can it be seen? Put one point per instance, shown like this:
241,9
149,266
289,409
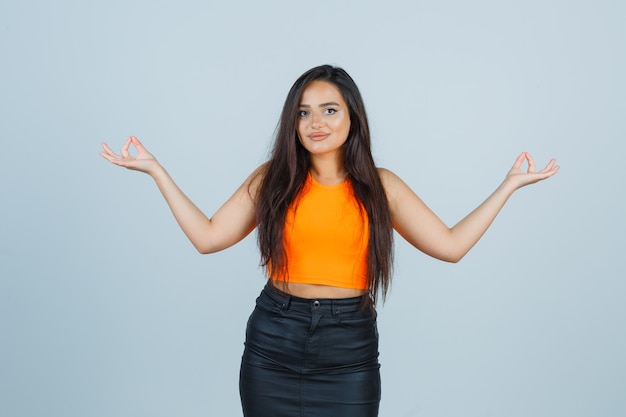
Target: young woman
325,216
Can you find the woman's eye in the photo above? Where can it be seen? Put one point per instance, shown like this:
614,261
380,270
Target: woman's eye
331,111
302,113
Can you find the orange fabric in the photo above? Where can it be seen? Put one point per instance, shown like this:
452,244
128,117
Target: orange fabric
326,237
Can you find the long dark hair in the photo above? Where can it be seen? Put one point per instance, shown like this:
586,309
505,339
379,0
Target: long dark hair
286,171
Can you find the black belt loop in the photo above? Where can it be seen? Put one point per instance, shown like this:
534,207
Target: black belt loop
286,302
278,296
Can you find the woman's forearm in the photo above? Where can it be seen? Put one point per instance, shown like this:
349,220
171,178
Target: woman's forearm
472,227
194,223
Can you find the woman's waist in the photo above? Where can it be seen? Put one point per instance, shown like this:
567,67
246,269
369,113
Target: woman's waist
359,306
315,291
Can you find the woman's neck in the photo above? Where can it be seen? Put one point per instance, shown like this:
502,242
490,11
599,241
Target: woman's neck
328,171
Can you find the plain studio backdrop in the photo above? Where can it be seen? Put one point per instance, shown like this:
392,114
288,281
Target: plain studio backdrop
106,309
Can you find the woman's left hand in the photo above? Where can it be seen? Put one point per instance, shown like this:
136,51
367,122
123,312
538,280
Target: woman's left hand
518,178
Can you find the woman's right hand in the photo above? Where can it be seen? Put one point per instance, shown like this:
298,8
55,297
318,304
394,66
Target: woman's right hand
144,161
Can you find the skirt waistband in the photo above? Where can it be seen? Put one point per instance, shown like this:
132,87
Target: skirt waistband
291,302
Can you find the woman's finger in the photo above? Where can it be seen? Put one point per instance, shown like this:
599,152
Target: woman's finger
125,152
550,166
112,158
519,161
108,150
531,163
137,144
106,156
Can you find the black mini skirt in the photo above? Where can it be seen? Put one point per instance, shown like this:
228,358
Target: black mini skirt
310,358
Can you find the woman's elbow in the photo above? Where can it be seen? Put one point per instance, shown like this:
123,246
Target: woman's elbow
205,248
212,246
453,259
452,256
204,251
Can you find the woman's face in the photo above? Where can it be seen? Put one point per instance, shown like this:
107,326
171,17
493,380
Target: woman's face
323,119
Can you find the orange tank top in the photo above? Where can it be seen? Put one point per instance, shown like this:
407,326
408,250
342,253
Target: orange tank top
326,237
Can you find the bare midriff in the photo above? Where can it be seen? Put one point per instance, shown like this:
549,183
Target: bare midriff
316,291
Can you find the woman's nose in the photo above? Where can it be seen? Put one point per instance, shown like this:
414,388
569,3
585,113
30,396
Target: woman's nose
317,121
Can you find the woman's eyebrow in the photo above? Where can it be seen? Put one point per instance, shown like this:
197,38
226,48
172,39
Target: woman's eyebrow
330,103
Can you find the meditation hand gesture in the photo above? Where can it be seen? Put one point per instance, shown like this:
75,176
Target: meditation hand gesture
144,161
517,178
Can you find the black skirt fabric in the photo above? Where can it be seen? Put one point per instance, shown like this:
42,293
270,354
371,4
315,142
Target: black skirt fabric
310,358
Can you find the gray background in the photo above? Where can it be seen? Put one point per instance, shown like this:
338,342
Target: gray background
107,310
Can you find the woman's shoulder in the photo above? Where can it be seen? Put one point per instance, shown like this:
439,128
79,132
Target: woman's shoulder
387,177
253,183
395,187
259,172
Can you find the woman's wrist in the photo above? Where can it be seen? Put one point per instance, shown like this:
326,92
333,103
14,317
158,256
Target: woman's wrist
157,172
507,187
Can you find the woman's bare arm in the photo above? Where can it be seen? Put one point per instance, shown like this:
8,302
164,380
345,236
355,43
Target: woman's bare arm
414,221
231,223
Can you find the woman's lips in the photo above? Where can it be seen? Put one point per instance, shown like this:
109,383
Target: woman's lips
318,136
